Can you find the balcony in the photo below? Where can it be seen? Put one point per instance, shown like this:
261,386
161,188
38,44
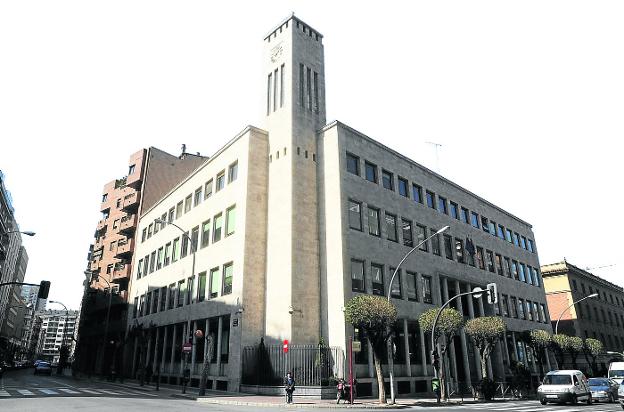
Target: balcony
124,250
101,225
131,203
122,272
135,179
128,225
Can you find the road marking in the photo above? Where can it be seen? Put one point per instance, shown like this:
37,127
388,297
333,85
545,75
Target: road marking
91,391
48,391
108,392
4,393
25,392
68,391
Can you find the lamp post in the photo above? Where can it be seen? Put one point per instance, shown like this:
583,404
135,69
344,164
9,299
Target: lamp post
59,370
396,270
593,295
189,336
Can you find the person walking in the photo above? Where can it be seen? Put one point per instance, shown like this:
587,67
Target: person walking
289,386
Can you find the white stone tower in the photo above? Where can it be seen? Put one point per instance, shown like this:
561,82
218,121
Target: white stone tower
295,111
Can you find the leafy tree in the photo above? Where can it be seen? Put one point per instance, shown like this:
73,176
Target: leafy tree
485,333
539,341
574,348
376,317
559,345
449,324
591,349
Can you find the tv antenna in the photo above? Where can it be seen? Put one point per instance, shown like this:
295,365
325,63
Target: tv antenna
437,155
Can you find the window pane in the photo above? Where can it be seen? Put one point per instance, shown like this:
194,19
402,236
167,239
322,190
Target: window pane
232,172
501,232
435,243
396,285
474,219
391,227
208,189
417,193
448,247
421,234
220,181
215,283
387,180
353,164
378,281
187,203
411,286
442,207
464,215
431,199
357,275
454,211
228,274
201,286
403,191
427,296
230,221
373,221
371,172
205,240
407,233
198,197
355,215
218,224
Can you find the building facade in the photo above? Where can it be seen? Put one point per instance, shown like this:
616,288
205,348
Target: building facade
270,238
57,328
599,318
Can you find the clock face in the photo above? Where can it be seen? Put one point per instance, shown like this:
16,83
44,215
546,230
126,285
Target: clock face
276,52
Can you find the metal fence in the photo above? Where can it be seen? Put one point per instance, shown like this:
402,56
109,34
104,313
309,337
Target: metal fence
311,365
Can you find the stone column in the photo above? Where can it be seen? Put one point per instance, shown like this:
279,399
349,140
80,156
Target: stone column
182,342
218,348
193,353
156,348
464,345
148,354
476,359
134,355
423,352
164,349
408,362
172,361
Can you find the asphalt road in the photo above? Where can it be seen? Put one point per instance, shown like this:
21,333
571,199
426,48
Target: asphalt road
530,406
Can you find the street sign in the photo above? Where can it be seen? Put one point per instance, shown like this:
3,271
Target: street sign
356,346
187,347
285,346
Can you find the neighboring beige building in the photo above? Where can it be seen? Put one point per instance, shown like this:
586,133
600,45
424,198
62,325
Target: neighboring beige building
292,221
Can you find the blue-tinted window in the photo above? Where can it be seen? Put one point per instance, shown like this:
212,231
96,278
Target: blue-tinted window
492,228
474,219
442,207
529,278
536,279
485,224
353,164
530,245
371,172
417,193
454,210
387,179
431,199
464,215
403,187
523,242
501,232
516,241
508,235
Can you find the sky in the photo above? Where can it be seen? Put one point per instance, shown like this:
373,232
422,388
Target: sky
526,99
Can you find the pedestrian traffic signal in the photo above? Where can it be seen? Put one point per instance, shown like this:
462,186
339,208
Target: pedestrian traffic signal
44,290
492,292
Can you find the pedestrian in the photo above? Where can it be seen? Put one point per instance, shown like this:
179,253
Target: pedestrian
289,386
148,373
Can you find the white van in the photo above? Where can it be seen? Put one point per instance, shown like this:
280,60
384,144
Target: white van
564,386
616,371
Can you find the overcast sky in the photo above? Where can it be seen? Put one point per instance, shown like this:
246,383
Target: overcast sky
525,97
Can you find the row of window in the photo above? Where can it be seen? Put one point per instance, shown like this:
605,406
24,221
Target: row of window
183,245
608,318
454,248
217,282
192,200
614,301
437,202
524,309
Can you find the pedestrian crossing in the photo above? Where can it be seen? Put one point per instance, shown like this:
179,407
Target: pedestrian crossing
10,392
534,406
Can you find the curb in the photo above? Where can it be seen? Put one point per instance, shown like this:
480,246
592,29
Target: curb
297,405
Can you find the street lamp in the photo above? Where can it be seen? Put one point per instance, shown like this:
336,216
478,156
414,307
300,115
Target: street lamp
59,370
189,336
396,270
593,295
27,233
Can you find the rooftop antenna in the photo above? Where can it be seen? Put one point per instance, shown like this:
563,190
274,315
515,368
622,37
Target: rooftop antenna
436,146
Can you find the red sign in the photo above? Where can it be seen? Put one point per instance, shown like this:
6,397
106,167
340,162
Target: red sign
187,347
285,346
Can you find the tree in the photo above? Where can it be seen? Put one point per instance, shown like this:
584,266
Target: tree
485,332
591,349
375,316
559,346
539,341
575,347
449,324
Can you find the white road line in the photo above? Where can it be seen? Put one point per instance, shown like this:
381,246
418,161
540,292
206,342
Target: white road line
25,392
4,393
108,392
48,391
91,391
68,391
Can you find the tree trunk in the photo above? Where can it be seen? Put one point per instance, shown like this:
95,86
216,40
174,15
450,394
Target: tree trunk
206,367
442,375
380,379
589,363
484,369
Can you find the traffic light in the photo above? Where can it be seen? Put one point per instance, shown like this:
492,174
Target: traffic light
492,293
435,358
44,289
459,247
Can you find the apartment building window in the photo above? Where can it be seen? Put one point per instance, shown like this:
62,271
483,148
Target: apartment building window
421,234
230,220
411,284
171,215
167,254
536,278
514,270
163,222
521,314
512,306
448,247
156,226
464,215
408,239
172,294
501,232
490,260
197,198
430,199
480,260
508,235
515,239
205,238
109,269
188,203
208,189
215,283
474,220
505,305
148,303
131,169
403,187
543,313
435,243
104,197
391,228
149,230
181,293
353,164
220,181
529,310
530,246
118,204
146,267
527,271
454,208
141,305
216,230
442,205
152,262
396,289
185,245
156,294
523,242
159,259
508,267
189,290
176,250
417,193
143,235
492,228
355,215
373,221
179,207
387,179
233,171
499,264
139,269
357,275
201,287
427,294
378,279
371,172
485,224
194,238
459,250
136,307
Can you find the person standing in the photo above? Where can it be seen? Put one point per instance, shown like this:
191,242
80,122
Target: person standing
289,386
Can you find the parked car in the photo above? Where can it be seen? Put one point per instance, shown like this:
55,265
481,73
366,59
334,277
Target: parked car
43,368
604,389
621,395
616,371
564,386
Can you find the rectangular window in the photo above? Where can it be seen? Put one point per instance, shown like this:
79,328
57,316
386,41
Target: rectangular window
316,93
421,234
149,230
505,305
403,187
408,239
490,261
171,215
232,172
464,215
282,85
527,271
536,278
301,85
156,294
411,286
205,237
167,254
181,293
353,164
508,267
194,238
355,215
371,172
189,291
435,243
185,245
529,310
459,250
448,247
159,259
523,242
391,228
508,235
228,275
163,222
152,262
454,210
396,289
513,306
431,200
139,269
427,294
387,179
269,89
499,264
146,267
492,228
143,235
485,224
474,220
514,270
378,279
480,260
176,250
521,313
357,275
141,305
515,239
530,246
501,232
309,83
179,208
417,193
275,90
220,181
201,287
188,203
215,283
543,313
208,189
373,221
442,205
216,230
172,294
230,220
